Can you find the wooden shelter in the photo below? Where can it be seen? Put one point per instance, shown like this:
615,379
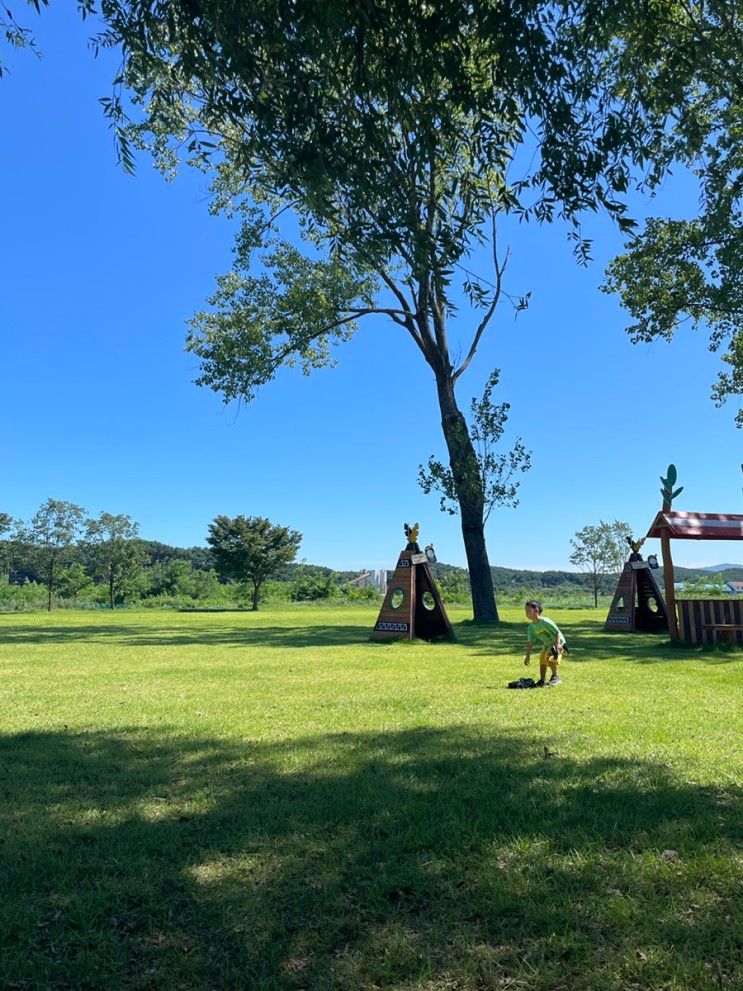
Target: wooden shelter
698,620
412,606
637,606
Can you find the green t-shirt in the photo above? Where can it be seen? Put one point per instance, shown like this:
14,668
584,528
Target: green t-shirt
544,632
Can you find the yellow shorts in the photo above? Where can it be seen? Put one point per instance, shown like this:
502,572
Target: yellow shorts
545,657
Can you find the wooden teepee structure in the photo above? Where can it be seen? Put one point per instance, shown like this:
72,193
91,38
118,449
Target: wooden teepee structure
412,607
637,605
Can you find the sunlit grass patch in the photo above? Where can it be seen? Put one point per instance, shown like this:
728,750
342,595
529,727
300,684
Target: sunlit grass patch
271,801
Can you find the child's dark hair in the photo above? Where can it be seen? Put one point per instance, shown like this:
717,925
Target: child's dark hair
534,604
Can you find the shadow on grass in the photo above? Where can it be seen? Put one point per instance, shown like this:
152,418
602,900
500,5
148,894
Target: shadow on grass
422,859
588,641
227,634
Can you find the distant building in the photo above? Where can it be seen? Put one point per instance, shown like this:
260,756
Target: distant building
371,579
734,588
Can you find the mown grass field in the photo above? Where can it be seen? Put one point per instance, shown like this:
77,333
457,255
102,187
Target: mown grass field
268,802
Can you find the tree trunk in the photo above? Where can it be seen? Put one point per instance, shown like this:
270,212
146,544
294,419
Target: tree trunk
256,590
468,484
111,591
50,585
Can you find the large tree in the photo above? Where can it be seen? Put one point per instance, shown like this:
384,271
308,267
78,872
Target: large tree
390,129
250,549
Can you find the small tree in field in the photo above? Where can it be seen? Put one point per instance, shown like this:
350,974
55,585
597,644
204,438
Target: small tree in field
117,553
496,471
601,549
52,532
250,549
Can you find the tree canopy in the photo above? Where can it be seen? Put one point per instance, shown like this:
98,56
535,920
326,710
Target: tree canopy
685,62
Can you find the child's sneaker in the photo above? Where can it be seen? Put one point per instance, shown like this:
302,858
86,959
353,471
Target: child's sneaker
554,680
540,683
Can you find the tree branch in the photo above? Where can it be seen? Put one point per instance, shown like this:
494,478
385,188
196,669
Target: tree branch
285,352
499,270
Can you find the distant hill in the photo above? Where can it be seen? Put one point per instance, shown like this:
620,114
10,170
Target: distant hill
504,579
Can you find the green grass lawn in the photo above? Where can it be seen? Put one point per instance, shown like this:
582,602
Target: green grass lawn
270,801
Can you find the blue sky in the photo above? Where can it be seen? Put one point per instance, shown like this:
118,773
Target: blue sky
99,272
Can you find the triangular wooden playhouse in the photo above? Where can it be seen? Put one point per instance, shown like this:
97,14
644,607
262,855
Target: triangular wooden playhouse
412,607
637,605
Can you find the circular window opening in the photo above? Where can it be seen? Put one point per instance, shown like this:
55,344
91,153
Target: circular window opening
652,605
428,600
397,598
620,604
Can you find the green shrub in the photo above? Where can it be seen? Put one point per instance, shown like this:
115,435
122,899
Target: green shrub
74,582
22,598
710,586
352,593
312,588
276,592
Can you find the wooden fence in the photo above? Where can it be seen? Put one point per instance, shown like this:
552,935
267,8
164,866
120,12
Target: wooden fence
710,620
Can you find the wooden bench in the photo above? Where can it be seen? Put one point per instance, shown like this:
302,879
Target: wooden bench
723,631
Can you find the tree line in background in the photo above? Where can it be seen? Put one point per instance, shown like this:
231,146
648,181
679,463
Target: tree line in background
63,557
63,554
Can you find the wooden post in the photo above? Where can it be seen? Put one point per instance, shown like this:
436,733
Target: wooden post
669,494
665,549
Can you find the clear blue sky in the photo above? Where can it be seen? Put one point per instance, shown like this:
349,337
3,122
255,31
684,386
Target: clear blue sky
99,272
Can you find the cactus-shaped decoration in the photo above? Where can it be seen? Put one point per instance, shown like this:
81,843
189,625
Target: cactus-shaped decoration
668,483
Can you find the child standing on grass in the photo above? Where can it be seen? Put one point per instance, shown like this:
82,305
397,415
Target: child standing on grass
545,634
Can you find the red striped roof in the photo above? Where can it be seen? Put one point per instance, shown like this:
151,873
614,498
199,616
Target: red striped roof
698,526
